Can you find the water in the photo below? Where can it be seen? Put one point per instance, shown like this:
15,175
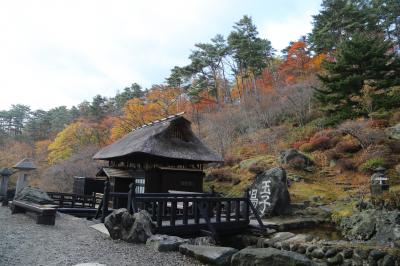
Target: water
324,231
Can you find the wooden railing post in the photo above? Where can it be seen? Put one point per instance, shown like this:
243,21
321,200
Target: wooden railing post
105,200
246,209
228,211
130,198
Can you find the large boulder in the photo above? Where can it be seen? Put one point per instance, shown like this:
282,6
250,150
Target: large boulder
135,228
269,192
378,226
34,195
394,132
165,243
209,254
269,256
293,158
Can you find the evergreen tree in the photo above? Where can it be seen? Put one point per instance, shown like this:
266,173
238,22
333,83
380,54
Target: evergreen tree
340,19
362,58
134,91
249,52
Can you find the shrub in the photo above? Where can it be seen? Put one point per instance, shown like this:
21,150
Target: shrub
306,147
333,155
364,134
378,123
371,164
320,142
257,168
346,165
376,151
394,145
220,175
298,144
395,118
231,160
347,147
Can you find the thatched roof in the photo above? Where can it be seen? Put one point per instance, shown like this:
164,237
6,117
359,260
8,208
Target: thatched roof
167,139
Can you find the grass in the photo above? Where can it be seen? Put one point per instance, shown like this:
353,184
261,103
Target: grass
327,191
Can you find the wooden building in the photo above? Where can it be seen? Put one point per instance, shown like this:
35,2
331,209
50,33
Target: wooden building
159,157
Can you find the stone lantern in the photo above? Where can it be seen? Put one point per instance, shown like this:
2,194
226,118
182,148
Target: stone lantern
379,184
23,167
5,174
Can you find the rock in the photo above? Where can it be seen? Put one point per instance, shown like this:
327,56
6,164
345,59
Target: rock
309,250
203,241
278,237
142,228
135,228
347,253
394,132
377,254
164,243
336,260
113,223
362,253
331,252
388,260
268,256
209,254
269,192
296,160
34,195
379,226
301,249
318,253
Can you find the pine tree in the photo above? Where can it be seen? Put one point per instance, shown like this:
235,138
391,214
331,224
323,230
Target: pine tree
363,58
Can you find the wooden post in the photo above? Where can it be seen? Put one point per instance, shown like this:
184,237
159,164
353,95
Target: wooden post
105,200
246,210
218,212
160,213
185,211
173,212
133,197
237,210
129,207
228,210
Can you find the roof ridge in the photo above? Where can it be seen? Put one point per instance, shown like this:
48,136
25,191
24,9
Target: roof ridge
159,121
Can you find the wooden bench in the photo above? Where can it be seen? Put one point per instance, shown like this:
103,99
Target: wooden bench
44,214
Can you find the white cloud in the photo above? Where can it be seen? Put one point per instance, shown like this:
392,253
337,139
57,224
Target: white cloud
60,52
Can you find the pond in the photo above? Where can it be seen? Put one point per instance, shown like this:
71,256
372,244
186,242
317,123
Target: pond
323,231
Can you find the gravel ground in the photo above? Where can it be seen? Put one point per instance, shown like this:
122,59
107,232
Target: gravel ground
69,242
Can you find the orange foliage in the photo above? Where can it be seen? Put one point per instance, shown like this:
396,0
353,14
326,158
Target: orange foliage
159,102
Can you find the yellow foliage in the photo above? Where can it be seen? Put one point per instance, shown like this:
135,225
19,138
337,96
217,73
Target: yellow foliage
73,137
158,103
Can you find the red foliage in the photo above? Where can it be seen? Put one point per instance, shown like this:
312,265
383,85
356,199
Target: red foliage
298,144
320,142
379,123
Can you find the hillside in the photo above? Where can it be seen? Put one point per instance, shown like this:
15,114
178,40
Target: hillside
333,95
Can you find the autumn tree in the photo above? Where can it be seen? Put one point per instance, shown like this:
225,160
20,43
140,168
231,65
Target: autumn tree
74,137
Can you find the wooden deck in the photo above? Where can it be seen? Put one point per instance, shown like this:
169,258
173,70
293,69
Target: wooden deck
173,213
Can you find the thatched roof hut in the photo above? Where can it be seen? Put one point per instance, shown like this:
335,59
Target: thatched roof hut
161,156
167,140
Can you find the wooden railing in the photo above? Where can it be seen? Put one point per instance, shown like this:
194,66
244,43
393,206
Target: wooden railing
191,210
70,200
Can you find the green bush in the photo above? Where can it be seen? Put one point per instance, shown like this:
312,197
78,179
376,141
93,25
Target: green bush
371,164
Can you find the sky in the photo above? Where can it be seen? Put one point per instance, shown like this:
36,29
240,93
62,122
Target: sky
56,52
